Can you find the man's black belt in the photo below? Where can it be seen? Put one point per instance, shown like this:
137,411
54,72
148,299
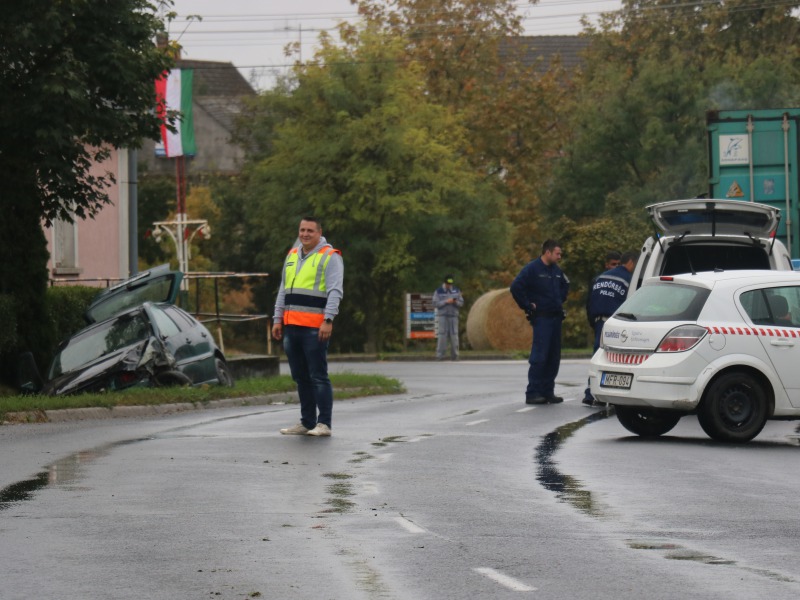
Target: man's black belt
549,313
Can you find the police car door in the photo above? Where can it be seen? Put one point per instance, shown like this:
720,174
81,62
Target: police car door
776,314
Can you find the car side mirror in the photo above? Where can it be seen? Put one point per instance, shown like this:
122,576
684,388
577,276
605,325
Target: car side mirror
29,379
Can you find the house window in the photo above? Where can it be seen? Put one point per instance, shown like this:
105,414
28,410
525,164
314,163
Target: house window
65,248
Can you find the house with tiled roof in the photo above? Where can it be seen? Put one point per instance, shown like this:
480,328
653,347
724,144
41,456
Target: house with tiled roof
540,50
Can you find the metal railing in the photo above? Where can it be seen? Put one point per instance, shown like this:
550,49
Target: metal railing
220,317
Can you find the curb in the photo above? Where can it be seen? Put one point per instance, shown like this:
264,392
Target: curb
154,410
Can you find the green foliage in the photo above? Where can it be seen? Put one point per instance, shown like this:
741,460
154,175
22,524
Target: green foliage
8,321
585,246
66,309
652,72
77,80
157,199
468,53
361,147
23,276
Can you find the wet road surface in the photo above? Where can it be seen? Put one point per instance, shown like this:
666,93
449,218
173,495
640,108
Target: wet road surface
456,489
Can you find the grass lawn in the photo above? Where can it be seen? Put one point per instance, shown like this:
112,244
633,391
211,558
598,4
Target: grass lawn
345,385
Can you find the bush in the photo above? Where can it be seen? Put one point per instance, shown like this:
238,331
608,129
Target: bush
8,318
66,307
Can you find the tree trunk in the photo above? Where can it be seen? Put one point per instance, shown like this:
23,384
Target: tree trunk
23,271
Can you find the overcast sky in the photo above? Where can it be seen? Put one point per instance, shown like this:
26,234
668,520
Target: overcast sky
252,33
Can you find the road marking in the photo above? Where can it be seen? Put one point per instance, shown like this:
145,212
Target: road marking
409,526
478,422
526,409
509,582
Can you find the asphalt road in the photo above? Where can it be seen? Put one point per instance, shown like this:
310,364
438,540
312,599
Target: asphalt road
456,489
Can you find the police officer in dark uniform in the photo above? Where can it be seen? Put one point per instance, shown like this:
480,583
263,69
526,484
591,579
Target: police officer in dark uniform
609,290
540,289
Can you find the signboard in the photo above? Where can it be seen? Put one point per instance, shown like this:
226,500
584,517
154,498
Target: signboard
734,150
420,317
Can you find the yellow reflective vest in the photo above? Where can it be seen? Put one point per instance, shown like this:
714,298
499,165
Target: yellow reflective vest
306,294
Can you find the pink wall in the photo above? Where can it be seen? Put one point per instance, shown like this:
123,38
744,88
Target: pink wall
102,242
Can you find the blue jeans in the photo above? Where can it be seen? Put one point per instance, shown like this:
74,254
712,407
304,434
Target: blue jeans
308,362
545,357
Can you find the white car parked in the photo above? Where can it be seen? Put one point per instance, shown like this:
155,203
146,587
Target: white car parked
722,345
708,234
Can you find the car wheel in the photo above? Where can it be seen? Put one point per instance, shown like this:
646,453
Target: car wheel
171,379
646,422
734,408
224,373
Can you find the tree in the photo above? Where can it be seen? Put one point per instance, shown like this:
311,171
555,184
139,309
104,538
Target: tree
512,110
77,80
652,71
357,142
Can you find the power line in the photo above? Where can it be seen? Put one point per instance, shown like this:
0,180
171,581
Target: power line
246,30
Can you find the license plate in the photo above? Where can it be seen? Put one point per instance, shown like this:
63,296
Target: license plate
616,380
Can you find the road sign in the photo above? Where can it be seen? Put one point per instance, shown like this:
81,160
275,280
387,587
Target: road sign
420,317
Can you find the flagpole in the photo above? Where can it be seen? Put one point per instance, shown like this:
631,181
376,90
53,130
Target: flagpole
180,217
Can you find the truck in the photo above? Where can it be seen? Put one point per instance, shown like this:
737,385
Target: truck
753,157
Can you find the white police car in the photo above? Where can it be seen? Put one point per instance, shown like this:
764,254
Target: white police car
722,345
707,234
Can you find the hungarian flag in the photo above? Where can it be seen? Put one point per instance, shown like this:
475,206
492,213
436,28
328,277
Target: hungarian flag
174,92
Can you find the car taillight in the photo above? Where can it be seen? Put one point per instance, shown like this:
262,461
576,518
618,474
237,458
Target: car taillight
681,339
126,378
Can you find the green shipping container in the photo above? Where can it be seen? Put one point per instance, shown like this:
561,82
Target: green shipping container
753,158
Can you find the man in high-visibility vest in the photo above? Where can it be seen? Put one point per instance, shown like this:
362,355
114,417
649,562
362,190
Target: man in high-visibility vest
306,305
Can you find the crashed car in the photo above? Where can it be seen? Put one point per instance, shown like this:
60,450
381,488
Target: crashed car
137,337
722,345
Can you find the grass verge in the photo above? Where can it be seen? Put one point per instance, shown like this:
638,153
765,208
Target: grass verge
345,385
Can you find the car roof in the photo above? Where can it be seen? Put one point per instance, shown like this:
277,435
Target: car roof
715,217
710,279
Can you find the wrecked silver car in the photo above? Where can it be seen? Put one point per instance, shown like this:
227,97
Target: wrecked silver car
138,337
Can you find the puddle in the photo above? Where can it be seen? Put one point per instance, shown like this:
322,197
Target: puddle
63,472
68,470
566,487
706,559
651,545
388,440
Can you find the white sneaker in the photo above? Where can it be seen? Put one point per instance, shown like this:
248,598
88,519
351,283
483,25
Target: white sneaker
320,430
298,429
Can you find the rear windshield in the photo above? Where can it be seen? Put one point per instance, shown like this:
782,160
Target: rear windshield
747,220
158,289
694,258
664,301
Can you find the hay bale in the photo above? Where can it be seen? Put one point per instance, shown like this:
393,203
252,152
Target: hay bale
495,322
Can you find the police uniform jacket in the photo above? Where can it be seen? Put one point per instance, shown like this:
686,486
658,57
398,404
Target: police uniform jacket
609,291
545,286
